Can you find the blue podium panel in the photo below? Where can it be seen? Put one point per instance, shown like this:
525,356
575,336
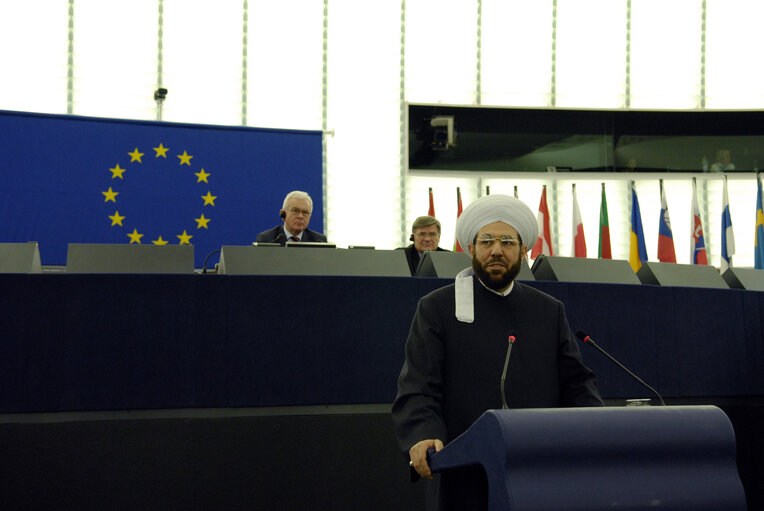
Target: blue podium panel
676,458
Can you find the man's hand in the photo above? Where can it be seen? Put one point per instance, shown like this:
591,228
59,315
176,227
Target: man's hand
418,455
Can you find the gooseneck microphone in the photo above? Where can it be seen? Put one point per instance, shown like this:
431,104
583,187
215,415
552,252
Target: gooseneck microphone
204,266
510,341
584,337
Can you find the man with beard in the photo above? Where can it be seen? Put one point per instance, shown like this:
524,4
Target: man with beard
457,346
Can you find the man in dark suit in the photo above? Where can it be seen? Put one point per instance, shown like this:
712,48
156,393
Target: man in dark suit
425,233
296,212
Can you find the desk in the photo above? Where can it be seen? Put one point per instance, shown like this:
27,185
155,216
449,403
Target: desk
115,342
94,345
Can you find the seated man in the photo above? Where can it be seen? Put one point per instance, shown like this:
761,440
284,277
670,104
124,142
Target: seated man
425,233
296,212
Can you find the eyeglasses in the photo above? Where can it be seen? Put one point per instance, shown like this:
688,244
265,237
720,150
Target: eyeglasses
488,240
297,211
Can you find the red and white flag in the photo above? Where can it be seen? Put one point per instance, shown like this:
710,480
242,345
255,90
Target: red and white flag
457,246
578,247
666,252
544,242
697,241
431,211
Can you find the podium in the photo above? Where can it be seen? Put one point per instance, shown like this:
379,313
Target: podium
668,458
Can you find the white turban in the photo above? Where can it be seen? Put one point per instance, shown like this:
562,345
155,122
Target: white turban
487,210
497,208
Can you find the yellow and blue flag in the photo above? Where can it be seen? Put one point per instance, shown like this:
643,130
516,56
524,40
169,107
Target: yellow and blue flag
68,179
637,249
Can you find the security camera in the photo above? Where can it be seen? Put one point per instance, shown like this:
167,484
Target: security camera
444,135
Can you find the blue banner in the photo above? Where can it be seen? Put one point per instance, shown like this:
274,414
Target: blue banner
66,179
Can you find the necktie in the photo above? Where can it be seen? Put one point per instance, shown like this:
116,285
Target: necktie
294,238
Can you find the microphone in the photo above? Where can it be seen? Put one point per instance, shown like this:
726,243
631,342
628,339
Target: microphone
204,266
510,341
584,337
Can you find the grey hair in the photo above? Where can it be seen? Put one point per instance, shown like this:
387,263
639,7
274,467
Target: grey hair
297,194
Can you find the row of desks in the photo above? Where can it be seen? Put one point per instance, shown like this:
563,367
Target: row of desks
117,341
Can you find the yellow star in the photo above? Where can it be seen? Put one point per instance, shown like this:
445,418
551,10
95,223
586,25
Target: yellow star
135,237
135,156
117,172
161,151
185,238
209,199
185,158
110,195
116,219
201,222
159,241
202,175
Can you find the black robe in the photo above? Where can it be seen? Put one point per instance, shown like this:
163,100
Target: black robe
452,373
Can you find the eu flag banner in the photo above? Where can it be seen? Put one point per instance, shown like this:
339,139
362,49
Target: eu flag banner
68,179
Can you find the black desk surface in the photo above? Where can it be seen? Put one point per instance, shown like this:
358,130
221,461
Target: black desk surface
115,342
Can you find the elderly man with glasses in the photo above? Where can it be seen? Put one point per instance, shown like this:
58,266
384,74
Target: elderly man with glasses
295,212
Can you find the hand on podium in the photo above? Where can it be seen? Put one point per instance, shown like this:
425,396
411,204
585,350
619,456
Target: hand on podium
418,456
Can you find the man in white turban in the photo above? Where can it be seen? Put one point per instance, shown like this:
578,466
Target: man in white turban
458,362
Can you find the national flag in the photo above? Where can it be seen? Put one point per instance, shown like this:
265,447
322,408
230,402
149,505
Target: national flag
543,244
758,248
431,211
457,246
637,249
487,190
728,237
71,179
666,252
578,247
697,242
516,195
604,251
